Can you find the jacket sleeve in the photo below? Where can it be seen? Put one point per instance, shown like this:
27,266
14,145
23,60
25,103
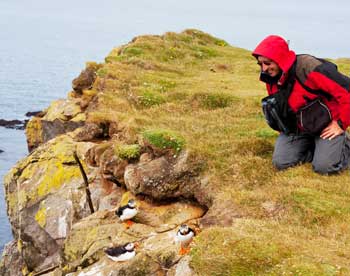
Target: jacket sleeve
332,84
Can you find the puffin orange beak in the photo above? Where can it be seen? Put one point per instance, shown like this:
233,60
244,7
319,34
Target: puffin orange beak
136,245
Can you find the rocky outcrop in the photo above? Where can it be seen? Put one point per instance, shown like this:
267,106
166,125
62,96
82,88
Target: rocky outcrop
13,124
11,262
48,210
66,115
85,79
53,227
162,178
63,116
45,197
155,229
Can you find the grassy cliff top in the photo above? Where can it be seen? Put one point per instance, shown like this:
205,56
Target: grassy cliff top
294,222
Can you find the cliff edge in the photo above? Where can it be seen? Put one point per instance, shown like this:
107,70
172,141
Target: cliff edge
174,122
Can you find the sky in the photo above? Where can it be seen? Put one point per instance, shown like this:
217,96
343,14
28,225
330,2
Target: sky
317,27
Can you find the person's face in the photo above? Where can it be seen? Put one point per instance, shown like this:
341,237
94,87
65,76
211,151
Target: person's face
269,66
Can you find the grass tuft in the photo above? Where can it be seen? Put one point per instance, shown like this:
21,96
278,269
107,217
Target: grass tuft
127,152
213,100
150,98
164,139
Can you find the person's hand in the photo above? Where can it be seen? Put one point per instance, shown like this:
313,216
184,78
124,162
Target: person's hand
331,131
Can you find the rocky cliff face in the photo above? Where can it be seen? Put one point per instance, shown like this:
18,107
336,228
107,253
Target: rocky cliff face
55,232
52,223
174,122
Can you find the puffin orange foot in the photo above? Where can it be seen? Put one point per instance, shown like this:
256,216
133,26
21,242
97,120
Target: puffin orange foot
184,250
128,224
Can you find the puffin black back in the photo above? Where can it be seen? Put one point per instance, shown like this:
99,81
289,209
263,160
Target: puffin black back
115,251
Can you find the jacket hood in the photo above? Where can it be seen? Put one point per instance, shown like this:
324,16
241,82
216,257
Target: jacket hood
276,48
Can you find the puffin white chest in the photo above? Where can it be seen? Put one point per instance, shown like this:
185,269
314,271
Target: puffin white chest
184,238
123,257
128,213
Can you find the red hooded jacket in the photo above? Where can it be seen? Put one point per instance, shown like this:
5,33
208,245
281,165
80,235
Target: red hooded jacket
312,73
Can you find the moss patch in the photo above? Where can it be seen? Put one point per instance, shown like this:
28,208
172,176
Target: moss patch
127,151
148,98
164,139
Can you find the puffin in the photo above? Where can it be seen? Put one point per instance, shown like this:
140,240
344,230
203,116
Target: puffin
122,253
127,212
184,237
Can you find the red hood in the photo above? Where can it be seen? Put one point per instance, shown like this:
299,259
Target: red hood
276,48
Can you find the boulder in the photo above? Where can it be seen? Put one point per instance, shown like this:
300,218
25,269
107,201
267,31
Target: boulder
88,132
61,117
84,80
140,265
14,124
45,196
35,113
39,250
162,178
182,268
11,261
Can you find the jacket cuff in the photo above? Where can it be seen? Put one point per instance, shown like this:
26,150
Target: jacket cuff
340,123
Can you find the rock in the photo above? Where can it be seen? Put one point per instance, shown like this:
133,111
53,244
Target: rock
161,178
100,230
84,80
39,250
35,113
48,169
155,227
93,155
167,216
13,124
47,188
64,110
11,262
61,117
1,151
111,166
89,132
40,131
141,264
182,268
51,129
57,213
110,201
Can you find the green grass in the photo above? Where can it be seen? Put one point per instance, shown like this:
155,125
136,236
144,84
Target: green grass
164,139
191,90
127,151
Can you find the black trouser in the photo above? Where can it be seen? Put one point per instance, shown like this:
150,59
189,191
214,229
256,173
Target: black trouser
327,156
